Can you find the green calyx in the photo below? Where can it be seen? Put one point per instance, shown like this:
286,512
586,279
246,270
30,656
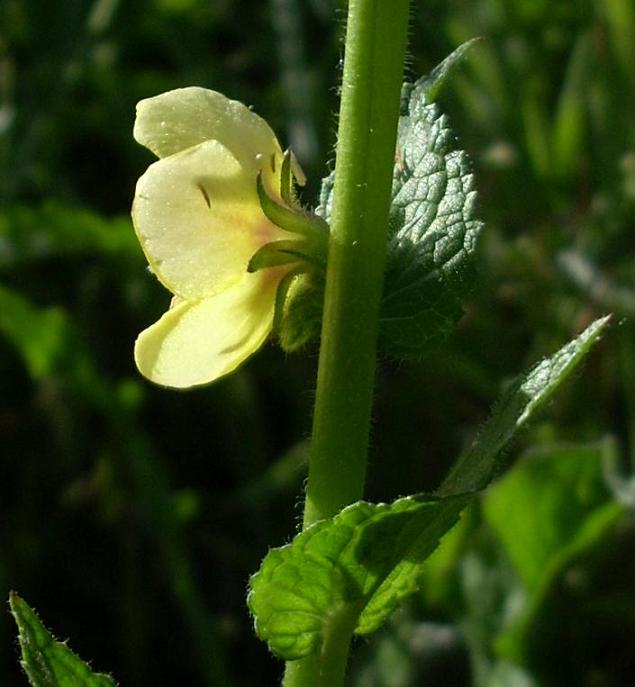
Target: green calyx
311,245
287,252
304,252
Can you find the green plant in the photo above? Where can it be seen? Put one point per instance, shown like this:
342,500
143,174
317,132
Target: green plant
401,251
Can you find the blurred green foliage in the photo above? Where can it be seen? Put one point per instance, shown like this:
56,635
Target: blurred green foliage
131,517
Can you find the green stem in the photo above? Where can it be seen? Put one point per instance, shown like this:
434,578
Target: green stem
373,71
326,668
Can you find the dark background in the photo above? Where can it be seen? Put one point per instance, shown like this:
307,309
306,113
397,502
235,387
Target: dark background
131,517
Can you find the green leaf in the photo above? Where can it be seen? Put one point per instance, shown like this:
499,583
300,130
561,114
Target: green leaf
548,511
479,464
47,662
356,568
351,570
433,83
433,231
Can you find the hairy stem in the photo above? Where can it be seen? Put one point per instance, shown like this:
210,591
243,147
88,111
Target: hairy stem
373,70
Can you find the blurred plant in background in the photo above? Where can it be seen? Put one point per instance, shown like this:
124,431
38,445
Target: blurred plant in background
117,525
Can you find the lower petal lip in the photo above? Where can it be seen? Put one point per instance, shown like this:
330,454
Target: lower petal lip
201,340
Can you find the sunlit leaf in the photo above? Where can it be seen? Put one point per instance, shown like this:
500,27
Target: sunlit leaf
432,227
521,400
355,568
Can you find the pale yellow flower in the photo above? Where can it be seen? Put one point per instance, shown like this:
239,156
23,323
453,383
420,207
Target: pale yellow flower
199,220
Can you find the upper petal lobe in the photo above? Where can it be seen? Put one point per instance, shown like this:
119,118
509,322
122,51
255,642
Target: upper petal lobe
198,219
185,117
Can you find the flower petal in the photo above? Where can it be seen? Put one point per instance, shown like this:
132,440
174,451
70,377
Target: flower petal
199,221
185,117
196,342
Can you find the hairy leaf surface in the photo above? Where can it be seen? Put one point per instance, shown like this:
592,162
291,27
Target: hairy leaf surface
479,464
433,230
361,564
431,235
47,662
